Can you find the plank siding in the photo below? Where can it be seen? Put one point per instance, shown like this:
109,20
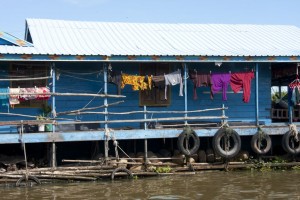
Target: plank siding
237,109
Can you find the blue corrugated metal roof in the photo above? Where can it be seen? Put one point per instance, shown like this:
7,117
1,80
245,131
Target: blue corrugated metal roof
60,37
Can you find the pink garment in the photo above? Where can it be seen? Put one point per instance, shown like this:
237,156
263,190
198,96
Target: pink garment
35,93
220,82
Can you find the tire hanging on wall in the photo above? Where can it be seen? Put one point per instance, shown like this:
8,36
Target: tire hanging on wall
291,143
184,142
30,178
224,139
261,143
121,169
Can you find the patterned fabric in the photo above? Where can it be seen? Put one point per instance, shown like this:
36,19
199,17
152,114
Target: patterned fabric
137,82
35,93
14,96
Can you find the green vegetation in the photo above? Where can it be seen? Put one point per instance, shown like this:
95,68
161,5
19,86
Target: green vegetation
163,169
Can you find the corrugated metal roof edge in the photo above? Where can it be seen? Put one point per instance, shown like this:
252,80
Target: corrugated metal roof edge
115,58
163,23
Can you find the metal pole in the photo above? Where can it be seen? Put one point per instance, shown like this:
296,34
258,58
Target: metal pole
53,149
256,95
105,116
145,142
185,92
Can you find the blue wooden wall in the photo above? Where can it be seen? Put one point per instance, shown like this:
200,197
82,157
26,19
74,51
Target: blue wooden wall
74,77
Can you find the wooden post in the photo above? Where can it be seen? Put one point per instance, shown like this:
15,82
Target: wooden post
53,155
105,116
256,95
53,148
185,92
145,142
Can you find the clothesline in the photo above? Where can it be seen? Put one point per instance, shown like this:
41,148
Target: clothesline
25,79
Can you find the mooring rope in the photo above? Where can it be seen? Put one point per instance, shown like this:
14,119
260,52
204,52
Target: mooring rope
294,131
24,149
116,143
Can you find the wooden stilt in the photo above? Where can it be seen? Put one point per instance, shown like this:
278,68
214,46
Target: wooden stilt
146,151
53,155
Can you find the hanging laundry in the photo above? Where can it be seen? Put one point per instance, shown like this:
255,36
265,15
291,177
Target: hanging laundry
199,80
240,81
14,96
42,93
220,82
115,77
174,78
137,82
25,94
158,81
35,93
294,94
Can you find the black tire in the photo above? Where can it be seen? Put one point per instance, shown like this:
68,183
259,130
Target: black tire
30,179
184,142
289,144
223,136
121,169
264,146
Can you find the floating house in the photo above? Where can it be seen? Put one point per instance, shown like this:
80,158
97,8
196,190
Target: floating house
147,86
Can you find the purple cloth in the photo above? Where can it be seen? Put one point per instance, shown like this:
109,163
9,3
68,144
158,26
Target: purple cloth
220,82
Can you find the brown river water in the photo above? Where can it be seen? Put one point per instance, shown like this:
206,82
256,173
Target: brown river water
203,185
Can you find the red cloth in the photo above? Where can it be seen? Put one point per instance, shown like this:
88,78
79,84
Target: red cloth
240,81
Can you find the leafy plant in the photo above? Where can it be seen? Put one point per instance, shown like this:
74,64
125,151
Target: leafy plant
163,169
45,112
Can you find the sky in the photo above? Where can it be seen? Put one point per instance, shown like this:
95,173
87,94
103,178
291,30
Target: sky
280,12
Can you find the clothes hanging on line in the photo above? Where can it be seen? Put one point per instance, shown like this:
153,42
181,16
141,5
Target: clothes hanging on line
18,95
14,96
172,79
240,81
35,93
295,96
220,82
158,81
293,92
199,80
137,82
115,77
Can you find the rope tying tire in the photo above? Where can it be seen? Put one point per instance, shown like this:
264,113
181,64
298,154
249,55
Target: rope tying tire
121,169
261,142
23,178
183,141
290,140
231,142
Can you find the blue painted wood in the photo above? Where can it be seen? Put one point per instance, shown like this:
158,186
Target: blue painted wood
125,134
93,83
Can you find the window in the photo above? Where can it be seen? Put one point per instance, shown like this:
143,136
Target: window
20,70
155,96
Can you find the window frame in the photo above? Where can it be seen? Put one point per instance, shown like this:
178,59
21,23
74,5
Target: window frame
157,93
39,68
